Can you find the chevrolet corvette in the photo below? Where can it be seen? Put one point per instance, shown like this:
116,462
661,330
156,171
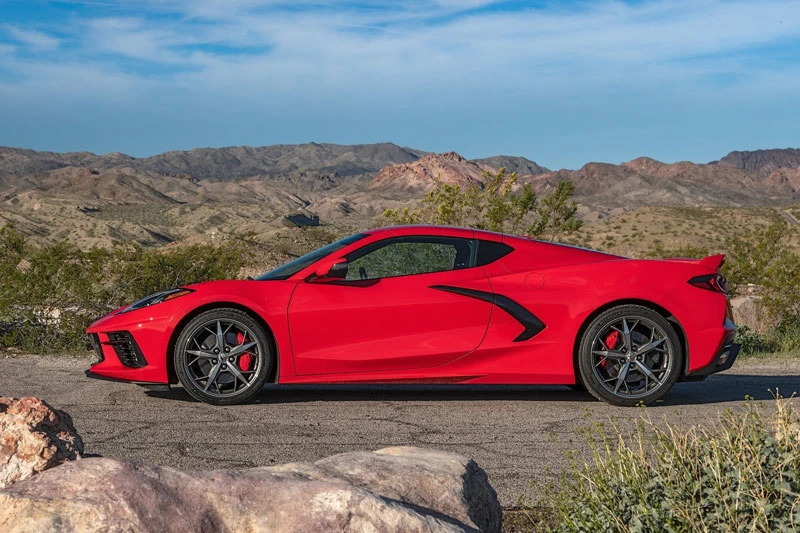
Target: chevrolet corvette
430,304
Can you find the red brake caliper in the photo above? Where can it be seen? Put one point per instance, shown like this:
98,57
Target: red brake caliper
245,360
611,341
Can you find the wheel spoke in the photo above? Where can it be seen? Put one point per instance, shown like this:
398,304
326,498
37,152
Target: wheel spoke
626,334
623,373
647,372
202,354
241,349
220,337
236,374
609,354
650,346
212,377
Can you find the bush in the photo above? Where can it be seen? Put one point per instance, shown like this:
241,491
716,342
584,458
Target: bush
752,342
743,475
499,205
763,257
49,295
688,251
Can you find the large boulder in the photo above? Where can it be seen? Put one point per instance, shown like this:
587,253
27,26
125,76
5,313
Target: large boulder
394,489
33,438
748,310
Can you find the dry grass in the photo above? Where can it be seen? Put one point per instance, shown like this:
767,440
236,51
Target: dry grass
637,232
741,473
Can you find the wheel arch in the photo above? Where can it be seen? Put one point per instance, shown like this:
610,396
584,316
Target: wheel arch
670,318
173,338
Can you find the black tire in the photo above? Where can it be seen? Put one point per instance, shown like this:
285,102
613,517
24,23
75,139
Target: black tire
226,374
640,367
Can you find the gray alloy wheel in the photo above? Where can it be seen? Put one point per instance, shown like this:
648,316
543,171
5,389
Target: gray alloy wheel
628,355
222,357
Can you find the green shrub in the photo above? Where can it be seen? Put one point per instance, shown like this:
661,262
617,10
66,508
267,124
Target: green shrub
763,257
499,205
741,475
752,342
49,295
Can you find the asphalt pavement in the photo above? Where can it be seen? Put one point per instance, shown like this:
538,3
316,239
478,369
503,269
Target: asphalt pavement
519,435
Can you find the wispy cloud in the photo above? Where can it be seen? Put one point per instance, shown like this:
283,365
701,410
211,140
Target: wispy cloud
419,56
34,40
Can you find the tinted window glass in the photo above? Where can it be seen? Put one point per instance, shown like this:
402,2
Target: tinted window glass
490,251
293,267
410,255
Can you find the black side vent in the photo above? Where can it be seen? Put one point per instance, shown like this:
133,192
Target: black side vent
94,345
126,349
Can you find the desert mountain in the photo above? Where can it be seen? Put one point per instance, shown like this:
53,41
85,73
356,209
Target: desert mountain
645,181
449,167
520,165
197,194
222,163
763,162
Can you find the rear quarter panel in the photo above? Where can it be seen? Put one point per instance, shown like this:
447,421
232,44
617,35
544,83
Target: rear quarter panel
567,296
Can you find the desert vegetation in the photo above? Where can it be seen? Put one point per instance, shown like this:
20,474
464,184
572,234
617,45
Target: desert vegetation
740,473
762,258
497,204
49,294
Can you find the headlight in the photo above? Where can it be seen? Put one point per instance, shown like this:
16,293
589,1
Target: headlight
156,298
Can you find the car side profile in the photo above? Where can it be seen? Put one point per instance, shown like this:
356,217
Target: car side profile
431,304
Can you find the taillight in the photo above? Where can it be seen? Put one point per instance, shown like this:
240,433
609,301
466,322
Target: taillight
711,282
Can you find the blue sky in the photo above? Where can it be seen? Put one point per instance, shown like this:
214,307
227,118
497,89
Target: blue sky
562,83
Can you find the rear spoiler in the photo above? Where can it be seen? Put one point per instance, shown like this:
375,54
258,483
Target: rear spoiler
713,262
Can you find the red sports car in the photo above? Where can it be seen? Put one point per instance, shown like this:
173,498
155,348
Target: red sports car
431,304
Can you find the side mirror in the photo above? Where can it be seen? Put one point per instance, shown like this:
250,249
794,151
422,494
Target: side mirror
331,270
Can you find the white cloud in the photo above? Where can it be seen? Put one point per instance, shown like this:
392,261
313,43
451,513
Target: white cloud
408,53
35,40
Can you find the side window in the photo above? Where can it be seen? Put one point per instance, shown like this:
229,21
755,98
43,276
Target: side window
405,256
490,251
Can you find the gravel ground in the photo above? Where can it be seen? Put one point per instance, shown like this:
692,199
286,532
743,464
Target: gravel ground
517,434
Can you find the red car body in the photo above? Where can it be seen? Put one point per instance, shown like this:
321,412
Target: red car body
518,319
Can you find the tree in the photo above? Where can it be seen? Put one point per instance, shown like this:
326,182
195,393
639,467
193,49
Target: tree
498,204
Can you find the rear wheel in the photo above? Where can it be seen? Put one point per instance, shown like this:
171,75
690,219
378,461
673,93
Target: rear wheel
628,355
223,357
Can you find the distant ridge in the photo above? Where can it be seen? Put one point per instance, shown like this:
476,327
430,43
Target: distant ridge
520,165
196,194
763,161
222,163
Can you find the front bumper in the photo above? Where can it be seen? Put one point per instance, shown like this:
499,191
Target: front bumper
147,384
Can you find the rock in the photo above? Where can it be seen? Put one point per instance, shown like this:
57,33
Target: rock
394,489
749,311
301,220
33,438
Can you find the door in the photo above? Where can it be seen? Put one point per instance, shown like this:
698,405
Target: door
391,312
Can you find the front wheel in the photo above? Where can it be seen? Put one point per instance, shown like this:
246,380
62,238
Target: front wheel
223,357
628,355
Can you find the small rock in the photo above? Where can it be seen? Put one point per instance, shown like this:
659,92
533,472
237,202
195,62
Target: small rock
33,438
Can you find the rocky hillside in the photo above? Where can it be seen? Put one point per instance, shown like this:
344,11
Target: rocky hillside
449,167
763,162
222,163
645,181
200,194
520,165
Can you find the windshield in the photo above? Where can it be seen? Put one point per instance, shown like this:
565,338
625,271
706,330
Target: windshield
293,267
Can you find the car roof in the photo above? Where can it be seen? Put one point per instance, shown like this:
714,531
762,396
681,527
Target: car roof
444,231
